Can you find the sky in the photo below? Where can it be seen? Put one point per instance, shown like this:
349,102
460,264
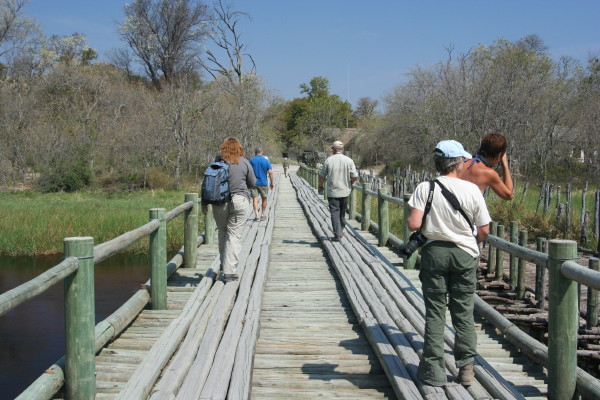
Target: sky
364,48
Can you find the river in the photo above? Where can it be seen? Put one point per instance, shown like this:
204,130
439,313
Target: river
32,335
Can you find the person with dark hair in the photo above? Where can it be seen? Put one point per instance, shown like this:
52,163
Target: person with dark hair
231,216
480,169
449,261
340,172
262,167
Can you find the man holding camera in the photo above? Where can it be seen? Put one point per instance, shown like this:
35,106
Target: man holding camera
446,213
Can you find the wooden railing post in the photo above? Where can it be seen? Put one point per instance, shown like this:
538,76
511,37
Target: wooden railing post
500,256
492,250
383,218
540,275
209,226
190,232
352,204
522,267
513,260
563,321
158,261
365,223
80,321
325,186
409,262
592,299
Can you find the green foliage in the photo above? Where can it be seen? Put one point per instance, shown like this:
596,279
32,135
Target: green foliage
33,223
67,176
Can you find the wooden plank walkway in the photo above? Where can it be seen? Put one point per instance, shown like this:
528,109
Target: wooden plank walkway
310,343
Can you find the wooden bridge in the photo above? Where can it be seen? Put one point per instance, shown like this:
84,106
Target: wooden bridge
309,318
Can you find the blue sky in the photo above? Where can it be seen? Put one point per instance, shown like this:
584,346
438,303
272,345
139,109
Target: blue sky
363,48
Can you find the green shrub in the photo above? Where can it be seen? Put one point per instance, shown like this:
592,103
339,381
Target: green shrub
67,176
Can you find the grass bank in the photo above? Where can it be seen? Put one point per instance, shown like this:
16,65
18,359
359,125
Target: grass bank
36,224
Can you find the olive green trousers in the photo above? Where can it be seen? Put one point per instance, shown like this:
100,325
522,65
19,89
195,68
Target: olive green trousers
447,271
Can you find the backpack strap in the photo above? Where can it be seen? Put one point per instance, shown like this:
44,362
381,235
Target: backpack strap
454,202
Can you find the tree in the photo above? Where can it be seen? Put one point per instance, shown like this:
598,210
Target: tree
165,36
15,30
365,108
310,120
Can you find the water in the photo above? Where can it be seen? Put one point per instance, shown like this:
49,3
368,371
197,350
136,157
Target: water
32,335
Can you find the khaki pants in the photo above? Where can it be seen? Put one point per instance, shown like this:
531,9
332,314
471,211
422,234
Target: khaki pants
447,269
230,219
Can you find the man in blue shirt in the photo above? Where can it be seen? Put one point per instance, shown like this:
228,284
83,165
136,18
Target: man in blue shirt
261,167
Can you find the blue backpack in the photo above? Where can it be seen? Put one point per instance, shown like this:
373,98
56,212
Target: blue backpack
215,186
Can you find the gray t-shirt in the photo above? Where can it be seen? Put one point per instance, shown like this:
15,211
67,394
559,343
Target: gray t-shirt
338,169
241,178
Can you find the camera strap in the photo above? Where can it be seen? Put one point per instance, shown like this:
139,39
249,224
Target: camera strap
453,201
427,205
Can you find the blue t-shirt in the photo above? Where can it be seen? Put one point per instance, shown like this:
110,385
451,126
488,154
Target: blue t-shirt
261,165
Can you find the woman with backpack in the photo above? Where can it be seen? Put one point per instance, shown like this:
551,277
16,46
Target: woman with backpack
231,209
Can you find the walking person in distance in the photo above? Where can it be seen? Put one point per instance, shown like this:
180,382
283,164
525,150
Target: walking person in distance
449,261
340,173
230,216
262,168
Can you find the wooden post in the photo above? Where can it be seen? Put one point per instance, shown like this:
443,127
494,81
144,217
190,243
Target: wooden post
352,203
383,217
522,267
209,226
80,321
500,256
592,298
158,261
583,202
190,232
540,275
325,187
513,260
410,262
492,249
540,197
366,209
563,321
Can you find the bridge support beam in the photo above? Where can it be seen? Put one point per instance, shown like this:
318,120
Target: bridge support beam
563,322
158,261
80,350
190,232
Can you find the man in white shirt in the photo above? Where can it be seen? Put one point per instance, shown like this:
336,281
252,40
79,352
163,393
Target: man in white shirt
449,262
340,172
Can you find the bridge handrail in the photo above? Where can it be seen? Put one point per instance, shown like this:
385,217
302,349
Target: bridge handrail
105,330
38,285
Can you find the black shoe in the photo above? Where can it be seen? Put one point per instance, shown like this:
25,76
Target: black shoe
230,277
336,238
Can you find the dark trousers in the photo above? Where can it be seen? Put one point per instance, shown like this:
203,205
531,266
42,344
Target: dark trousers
337,208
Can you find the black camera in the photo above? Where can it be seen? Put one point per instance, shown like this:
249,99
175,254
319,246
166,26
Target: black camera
416,240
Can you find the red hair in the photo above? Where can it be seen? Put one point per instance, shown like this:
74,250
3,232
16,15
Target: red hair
232,150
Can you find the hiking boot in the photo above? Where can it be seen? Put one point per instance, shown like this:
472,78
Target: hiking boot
466,374
263,218
230,277
336,238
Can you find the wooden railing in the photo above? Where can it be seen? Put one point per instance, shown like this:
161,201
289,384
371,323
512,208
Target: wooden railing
560,357
82,337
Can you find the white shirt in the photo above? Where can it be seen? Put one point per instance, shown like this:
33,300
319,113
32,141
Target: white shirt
444,222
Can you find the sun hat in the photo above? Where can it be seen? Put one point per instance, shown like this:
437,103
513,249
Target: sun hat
450,149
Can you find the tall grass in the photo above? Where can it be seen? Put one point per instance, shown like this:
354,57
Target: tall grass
35,224
520,209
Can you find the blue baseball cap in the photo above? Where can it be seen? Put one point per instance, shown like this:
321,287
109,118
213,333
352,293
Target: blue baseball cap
450,149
